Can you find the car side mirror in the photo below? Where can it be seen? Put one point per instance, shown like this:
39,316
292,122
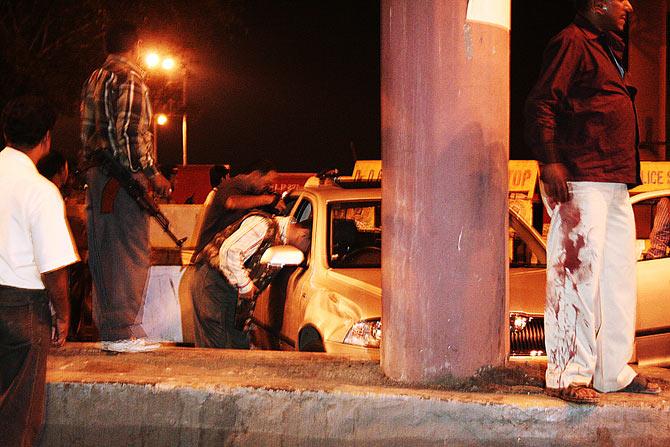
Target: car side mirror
282,255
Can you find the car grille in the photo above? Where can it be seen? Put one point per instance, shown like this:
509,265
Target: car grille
530,339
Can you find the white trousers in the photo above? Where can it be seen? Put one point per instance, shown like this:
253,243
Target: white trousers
589,317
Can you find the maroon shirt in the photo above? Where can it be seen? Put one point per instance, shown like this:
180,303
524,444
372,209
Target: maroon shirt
581,111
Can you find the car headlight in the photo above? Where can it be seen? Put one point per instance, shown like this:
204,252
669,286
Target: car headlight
518,322
526,334
366,333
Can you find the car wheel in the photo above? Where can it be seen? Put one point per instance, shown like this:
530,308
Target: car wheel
310,341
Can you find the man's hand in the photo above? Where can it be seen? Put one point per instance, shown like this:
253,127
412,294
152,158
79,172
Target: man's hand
280,206
250,294
161,185
56,282
59,332
555,179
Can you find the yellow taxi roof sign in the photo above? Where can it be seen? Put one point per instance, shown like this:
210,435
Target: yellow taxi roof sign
655,175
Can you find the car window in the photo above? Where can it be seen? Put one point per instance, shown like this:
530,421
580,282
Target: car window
355,234
303,212
652,228
525,249
520,253
289,201
304,215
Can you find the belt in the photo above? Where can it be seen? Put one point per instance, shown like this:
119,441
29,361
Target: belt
16,296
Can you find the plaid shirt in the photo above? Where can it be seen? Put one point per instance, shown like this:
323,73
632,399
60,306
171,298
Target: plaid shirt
116,114
237,250
659,238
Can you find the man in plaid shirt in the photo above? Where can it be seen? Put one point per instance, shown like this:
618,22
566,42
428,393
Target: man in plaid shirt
659,239
116,117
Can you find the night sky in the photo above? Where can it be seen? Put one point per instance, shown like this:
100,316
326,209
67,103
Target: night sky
300,84
533,24
298,88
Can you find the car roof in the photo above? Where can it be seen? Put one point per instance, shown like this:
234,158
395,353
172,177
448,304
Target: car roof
649,195
334,192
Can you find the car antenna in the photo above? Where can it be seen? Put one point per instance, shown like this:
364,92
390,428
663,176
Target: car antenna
354,154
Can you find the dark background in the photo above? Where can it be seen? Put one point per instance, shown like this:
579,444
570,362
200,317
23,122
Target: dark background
299,88
294,81
303,86
533,24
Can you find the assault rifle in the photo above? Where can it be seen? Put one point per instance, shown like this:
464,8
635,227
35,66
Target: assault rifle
262,277
135,190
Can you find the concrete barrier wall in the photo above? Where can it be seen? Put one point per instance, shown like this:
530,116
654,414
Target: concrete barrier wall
104,414
184,222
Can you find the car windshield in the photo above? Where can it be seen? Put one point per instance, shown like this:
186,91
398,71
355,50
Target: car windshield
525,247
355,234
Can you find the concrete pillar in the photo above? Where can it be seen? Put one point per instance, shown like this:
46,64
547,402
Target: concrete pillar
647,60
445,143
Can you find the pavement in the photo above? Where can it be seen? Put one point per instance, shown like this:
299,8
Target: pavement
179,396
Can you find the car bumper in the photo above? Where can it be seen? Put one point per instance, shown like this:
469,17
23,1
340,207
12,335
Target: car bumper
528,340
346,349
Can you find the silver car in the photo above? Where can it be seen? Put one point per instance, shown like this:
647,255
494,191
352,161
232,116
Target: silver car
527,285
332,302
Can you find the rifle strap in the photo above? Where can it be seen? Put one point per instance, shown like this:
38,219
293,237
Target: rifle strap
109,192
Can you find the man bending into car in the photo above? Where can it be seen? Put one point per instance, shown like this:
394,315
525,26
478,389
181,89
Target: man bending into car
223,274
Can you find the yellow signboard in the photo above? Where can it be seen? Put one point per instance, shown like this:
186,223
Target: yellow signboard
367,170
655,175
522,177
522,180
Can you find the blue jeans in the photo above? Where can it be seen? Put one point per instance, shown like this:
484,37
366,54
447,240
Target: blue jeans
119,259
25,335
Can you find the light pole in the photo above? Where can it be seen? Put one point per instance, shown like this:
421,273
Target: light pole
184,130
154,61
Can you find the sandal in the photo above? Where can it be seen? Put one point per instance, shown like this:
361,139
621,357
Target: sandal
578,394
641,385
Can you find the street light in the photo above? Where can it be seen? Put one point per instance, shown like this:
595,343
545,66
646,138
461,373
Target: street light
160,119
153,61
168,64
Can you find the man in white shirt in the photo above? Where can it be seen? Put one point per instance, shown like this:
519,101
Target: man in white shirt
224,274
35,248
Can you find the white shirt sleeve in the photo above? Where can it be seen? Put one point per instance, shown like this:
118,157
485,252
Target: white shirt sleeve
238,247
53,245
